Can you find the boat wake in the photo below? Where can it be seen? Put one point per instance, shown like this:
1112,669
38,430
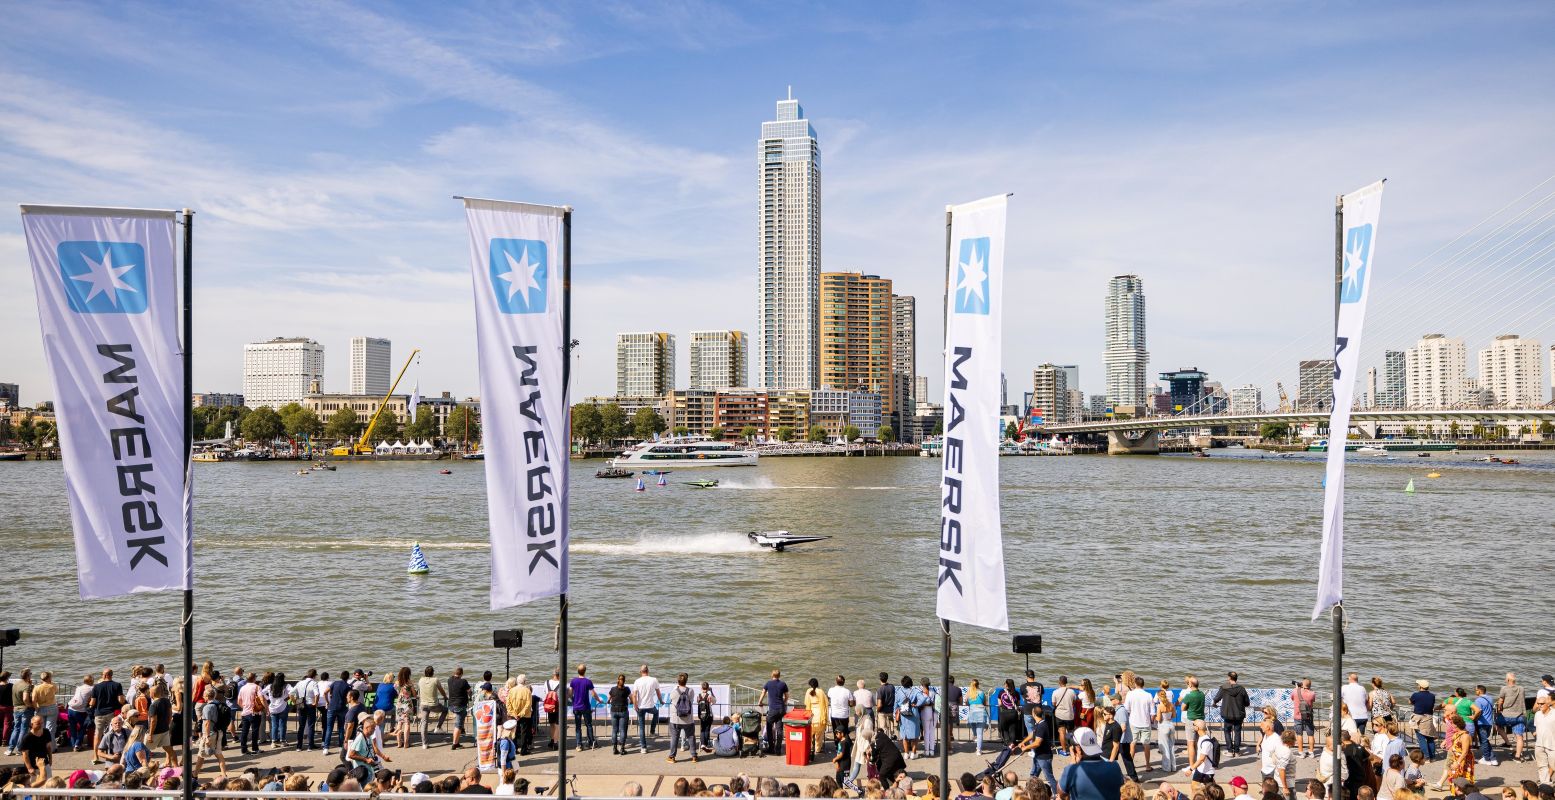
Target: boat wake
648,544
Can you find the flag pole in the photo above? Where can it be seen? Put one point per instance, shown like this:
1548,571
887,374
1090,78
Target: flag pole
1338,610
187,721
944,624
561,636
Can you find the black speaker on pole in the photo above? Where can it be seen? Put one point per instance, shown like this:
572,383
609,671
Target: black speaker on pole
1026,644
8,638
512,637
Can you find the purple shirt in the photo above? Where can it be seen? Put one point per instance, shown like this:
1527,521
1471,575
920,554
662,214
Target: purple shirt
581,693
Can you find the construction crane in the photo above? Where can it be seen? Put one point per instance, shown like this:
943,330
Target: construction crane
362,447
1284,398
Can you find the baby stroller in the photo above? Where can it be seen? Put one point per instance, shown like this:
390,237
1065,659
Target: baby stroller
750,733
1005,755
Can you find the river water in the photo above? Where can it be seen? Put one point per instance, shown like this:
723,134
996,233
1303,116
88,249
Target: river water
1160,564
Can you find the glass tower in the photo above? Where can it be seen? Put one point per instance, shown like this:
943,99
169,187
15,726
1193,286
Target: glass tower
789,273
1125,355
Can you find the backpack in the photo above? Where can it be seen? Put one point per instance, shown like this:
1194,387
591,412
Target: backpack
549,704
750,722
1212,751
1306,706
683,702
223,715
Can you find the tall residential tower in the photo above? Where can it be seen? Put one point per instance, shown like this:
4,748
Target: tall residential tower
645,364
857,335
788,276
1126,355
719,360
282,370
370,365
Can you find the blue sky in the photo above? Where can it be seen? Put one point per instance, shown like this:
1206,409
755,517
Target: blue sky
1196,143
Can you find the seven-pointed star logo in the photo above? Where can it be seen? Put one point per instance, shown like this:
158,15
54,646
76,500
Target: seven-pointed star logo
972,277
104,278
1357,255
519,275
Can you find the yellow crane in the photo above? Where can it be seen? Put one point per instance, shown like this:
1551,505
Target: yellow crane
362,447
1284,398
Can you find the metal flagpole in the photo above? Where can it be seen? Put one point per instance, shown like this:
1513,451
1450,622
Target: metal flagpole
561,636
187,722
1338,610
944,624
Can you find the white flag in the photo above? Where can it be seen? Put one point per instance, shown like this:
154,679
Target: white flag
415,400
1362,210
107,301
971,545
517,263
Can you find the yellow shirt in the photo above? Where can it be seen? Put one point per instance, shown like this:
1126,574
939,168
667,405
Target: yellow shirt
520,702
44,694
815,701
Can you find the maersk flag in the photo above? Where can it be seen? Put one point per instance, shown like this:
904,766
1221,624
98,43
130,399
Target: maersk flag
970,564
107,301
1362,210
515,252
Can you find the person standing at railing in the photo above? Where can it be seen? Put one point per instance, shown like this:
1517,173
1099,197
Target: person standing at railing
335,708
78,711
307,693
277,696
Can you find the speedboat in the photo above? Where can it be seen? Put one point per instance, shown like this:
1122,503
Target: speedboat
1371,450
703,484
686,452
778,540
478,455
612,472
445,472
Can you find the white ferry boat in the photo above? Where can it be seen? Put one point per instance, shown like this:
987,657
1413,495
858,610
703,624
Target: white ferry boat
685,453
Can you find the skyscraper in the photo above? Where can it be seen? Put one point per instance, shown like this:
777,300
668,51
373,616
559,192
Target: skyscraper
1391,388
1050,393
789,274
1436,372
1315,385
1512,370
370,365
920,384
719,360
645,364
904,360
282,370
857,331
1125,355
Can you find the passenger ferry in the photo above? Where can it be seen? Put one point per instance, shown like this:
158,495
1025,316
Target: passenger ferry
686,453
1372,446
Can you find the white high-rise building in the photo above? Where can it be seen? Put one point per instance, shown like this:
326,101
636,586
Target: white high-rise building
1050,393
645,364
920,385
1512,370
281,371
1436,372
788,277
1246,400
1126,356
904,360
1393,388
719,360
370,365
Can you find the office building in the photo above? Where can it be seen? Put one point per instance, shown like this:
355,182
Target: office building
365,405
370,365
10,395
1246,400
1186,390
1511,371
1050,394
788,277
1097,406
1076,410
904,363
1125,355
645,364
719,359
857,329
282,370
216,400
920,390
1436,372
1392,383
1315,385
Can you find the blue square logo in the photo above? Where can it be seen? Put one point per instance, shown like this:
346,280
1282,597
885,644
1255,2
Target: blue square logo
1357,262
104,277
972,277
518,275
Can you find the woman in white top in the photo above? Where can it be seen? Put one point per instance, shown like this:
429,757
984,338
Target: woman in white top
277,696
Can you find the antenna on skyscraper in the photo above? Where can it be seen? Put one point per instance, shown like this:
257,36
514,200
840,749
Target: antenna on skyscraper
790,91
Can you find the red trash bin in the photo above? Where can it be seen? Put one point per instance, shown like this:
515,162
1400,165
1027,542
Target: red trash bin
796,737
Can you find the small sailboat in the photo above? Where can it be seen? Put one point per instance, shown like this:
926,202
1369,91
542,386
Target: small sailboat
641,487
1409,488
418,562
662,482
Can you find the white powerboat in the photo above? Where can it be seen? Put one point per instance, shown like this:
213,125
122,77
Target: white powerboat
778,540
684,453
1371,450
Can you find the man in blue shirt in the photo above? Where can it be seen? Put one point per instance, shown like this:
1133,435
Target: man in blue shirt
581,692
775,695
1484,724
1092,777
335,709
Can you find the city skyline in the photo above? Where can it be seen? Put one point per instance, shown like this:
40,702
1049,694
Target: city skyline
335,191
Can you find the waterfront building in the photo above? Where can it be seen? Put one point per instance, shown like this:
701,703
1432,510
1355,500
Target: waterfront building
1511,370
1215,399
789,273
282,370
857,330
645,364
632,403
736,409
365,405
693,410
904,363
442,407
927,417
789,408
1392,384
216,400
10,395
835,409
1247,400
719,359
1098,406
1076,409
1050,393
370,365
1125,355
1187,390
1315,385
1160,401
1436,372
920,387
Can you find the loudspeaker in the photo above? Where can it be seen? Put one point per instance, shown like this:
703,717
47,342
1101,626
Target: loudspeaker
507,638
9,636
1027,644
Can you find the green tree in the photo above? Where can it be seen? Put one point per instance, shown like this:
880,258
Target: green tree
749,432
5,430
27,431
646,422
202,422
1274,430
939,427
1409,431
1499,431
715,433
1479,431
387,428
851,432
464,424
885,434
299,421
1452,430
817,434
1011,430
612,420
47,433
424,425
586,423
262,425
785,433
681,430
1546,428
343,424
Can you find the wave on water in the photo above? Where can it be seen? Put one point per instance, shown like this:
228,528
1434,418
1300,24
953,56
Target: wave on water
403,544
749,482
724,543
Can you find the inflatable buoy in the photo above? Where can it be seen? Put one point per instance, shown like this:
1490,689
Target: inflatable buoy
1433,475
418,561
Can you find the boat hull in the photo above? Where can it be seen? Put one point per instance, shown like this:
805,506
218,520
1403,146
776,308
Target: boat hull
741,460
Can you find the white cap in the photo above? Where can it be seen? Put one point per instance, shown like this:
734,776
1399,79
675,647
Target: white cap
510,724
419,778
1085,739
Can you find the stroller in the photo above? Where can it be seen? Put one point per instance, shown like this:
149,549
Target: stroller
1005,755
750,733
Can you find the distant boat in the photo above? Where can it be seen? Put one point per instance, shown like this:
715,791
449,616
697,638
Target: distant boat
662,482
445,472
656,472
418,561
1409,488
613,473
777,541
478,455
641,487
702,484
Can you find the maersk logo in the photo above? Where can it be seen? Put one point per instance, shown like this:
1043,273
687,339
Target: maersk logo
1357,257
103,277
518,275
972,277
